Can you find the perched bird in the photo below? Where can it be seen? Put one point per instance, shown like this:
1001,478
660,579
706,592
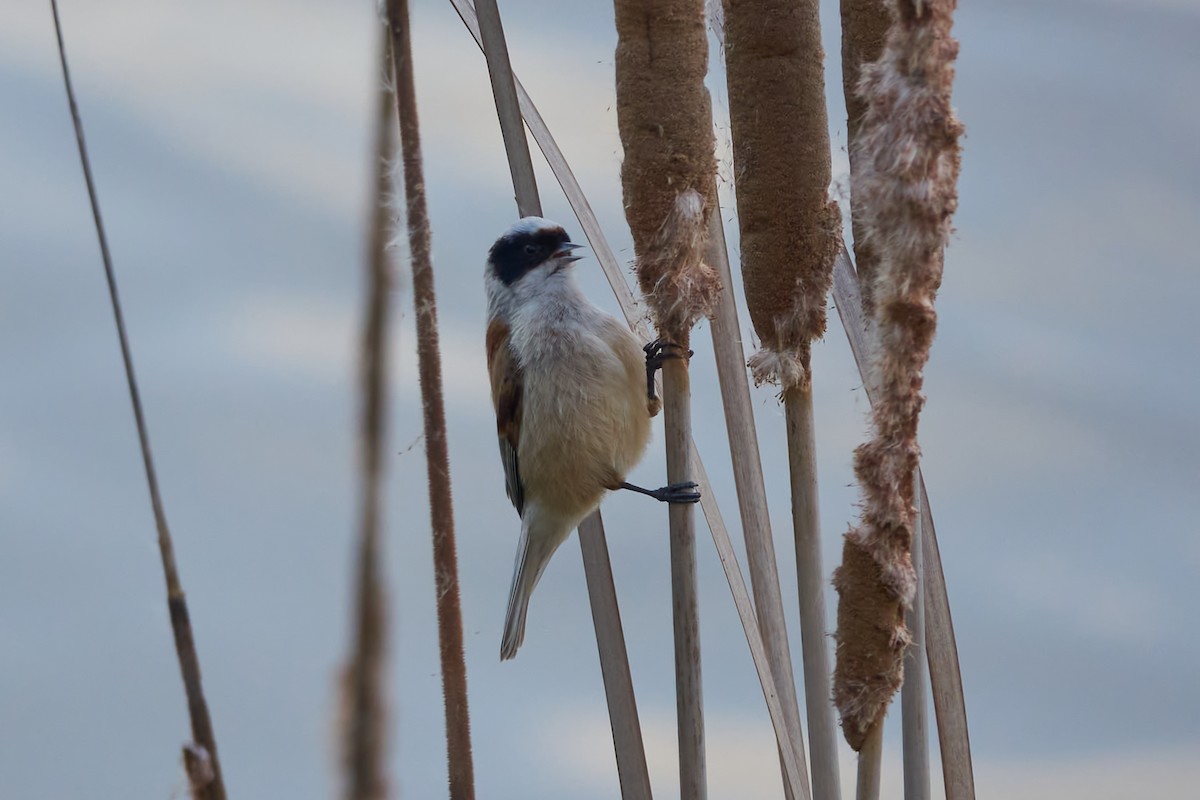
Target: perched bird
574,394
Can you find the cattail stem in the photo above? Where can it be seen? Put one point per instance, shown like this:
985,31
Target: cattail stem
912,693
445,559
752,503
689,704
365,732
810,581
870,763
602,594
200,755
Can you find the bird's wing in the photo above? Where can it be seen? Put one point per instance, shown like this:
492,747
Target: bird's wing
507,382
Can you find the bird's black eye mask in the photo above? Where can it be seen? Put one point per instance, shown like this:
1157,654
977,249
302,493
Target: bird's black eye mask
514,256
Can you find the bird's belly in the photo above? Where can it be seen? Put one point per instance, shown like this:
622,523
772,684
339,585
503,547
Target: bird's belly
585,426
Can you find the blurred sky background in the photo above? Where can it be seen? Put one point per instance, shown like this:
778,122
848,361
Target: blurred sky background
230,144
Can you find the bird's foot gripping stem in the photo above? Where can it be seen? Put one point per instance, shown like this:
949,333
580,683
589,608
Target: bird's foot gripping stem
672,493
657,352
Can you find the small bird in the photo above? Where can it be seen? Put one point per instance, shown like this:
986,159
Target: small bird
573,392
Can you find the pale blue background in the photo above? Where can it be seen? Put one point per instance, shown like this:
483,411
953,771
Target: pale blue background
230,142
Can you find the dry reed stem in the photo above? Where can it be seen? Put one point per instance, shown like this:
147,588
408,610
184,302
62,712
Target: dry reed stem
508,110
913,710
364,735
635,318
445,559
810,581
752,503
906,187
630,750
602,594
941,650
870,763
200,755
685,594
864,29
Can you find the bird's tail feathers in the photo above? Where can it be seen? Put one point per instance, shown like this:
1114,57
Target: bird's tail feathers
533,554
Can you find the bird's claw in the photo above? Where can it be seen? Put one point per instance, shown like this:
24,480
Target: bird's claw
657,352
660,350
680,493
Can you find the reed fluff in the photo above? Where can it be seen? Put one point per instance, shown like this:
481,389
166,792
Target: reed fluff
905,193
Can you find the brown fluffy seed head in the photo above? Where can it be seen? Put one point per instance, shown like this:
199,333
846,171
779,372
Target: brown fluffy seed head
664,117
871,638
904,189
790,230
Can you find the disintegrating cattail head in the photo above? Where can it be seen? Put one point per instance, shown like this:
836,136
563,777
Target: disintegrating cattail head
908,148
904,187
790,230
669,172
864,30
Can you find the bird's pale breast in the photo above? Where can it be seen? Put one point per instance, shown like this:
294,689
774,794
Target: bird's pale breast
585,387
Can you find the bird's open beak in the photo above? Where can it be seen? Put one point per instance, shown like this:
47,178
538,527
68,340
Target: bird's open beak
566,253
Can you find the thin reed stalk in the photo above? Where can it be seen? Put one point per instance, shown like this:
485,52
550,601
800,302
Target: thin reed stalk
365,734
941,650
606,616
445,559
200,758
752,499
913,710
614,273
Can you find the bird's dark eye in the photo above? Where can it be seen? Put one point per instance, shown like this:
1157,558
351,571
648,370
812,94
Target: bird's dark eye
531,249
